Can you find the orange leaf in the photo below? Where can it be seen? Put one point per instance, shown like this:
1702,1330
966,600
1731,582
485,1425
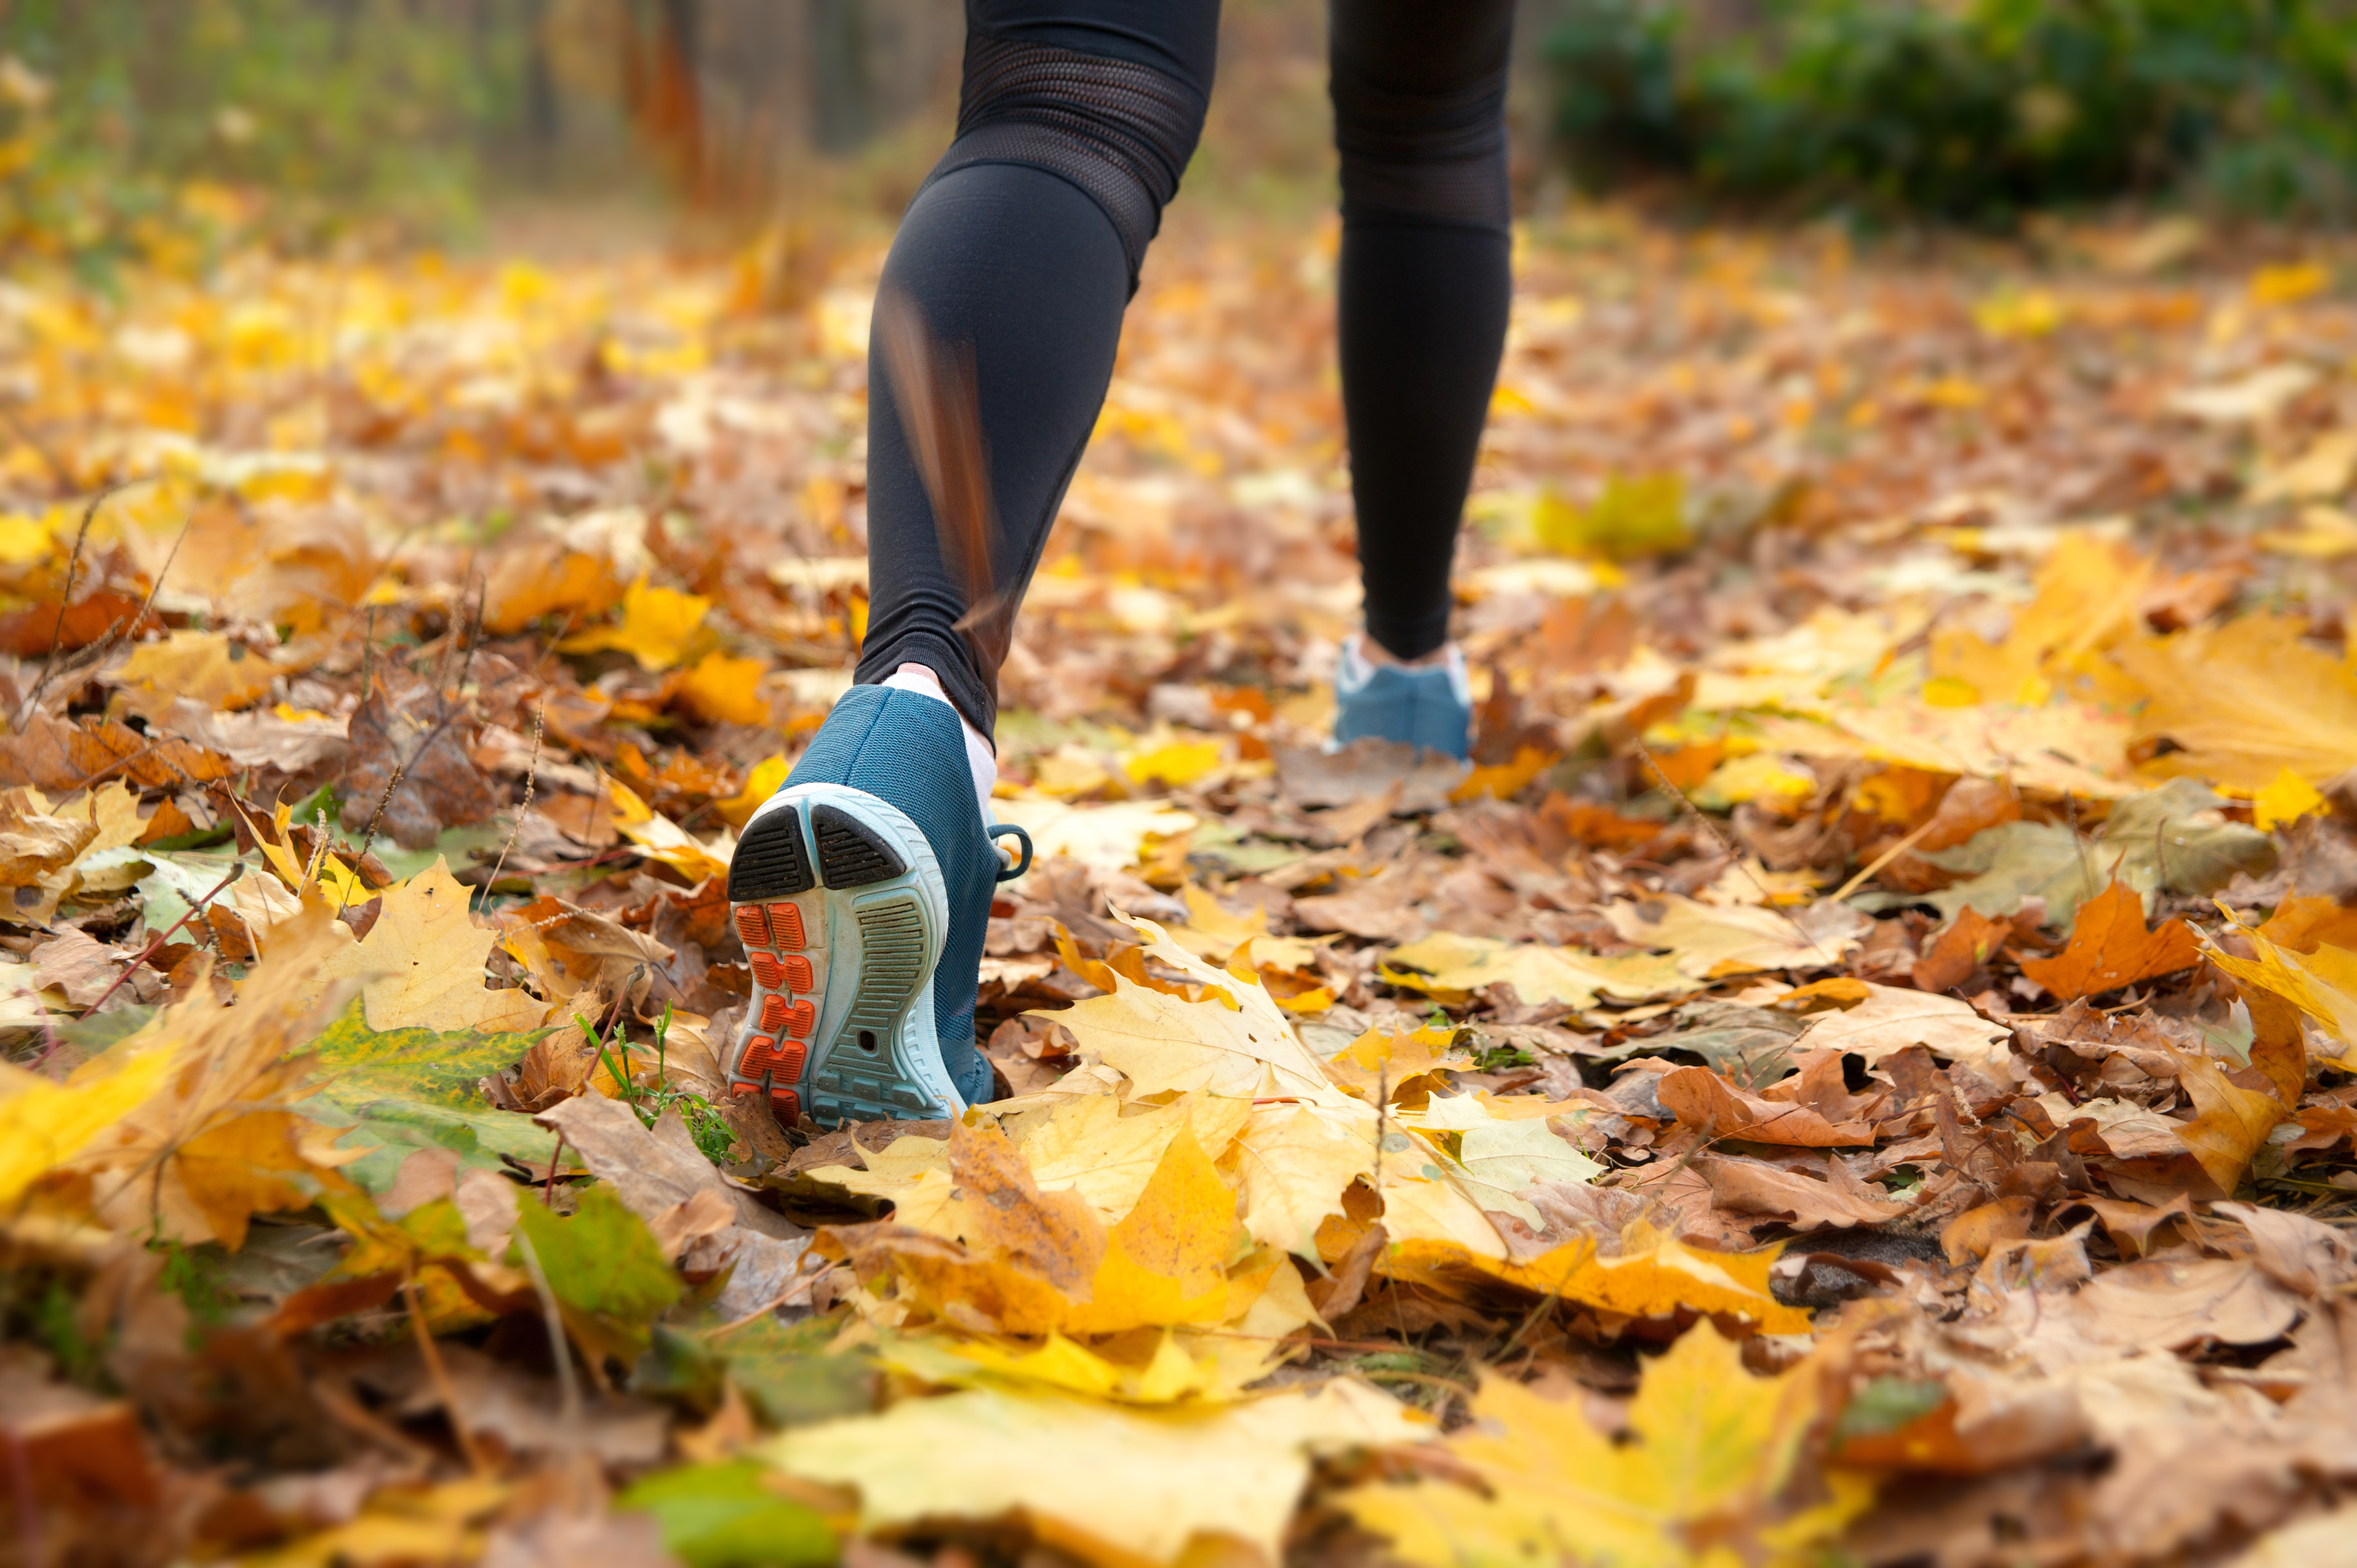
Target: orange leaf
2229,1121
1956,953
1699,1098
2111,948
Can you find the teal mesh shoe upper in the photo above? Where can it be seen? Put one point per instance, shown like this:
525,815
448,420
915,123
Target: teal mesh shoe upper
1431,708
909,749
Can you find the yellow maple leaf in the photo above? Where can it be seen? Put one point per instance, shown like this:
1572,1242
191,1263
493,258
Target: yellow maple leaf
1652,1275
1504,780
1712,939
1178,763
44,1124
665,840
2085,600
1450,963
541,578
1697,1482
401,1524
215,1144
659,627
205,667
2239,704
1210,932
1294,1161
2322,984
421,965
1166,1376
1105,1151
1166,1262
725,690
1247,1049
2287,798
768,777
1108,1484
2229,1121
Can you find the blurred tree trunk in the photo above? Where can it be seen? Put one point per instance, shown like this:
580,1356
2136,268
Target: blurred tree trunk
842,94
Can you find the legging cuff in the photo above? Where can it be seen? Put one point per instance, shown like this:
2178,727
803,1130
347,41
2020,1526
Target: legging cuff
1409,637
975,698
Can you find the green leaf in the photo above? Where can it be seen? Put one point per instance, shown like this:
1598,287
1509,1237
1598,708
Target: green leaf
607,1270
402,1089
2154,841
723,1516
785,1370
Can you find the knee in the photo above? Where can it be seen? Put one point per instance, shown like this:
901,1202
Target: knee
1120,131
1419,96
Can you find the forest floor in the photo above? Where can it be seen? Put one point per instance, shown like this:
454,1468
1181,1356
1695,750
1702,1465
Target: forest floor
1862,1068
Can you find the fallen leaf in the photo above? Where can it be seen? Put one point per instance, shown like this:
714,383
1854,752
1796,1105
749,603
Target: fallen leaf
1157,1480
1701,1099
2180,1301
2161,839
420,964
2231,1121
412,776
1445,961
2322,984
1709,1448
1892,1018
1163,1042
205,667
712,1516
45,1124
609,1278
660,627
657,1174
2110,948
1709,940
1962,948
2241,702
1840,1201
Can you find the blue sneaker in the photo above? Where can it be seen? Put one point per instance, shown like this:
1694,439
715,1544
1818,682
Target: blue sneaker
1432,707
862,891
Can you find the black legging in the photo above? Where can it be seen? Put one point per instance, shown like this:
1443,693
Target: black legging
1077,119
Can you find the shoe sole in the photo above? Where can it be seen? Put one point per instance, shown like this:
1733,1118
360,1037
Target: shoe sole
842,908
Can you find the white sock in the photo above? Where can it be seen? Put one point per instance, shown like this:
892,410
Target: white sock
979,758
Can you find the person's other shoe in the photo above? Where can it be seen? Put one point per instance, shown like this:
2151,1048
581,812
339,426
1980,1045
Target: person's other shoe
1431,706
862,891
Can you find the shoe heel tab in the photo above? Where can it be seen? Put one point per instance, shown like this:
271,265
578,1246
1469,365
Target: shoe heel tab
997,831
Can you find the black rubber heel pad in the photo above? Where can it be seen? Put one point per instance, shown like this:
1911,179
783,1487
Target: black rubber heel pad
769,862
850,854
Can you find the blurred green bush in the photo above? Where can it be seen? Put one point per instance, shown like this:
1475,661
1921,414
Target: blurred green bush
1974,109
154,129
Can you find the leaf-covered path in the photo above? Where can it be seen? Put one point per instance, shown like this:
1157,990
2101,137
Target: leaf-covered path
1864,1062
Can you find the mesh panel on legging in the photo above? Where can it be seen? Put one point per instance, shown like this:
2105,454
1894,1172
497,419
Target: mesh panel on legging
1419,94
1120,131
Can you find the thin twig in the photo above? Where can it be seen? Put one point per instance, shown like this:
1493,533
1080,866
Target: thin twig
443,1390
474,636
2079,843
318,849
1728,849
153,948
1884,858
531,778
65,594
548,1187
568,1387
367,836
